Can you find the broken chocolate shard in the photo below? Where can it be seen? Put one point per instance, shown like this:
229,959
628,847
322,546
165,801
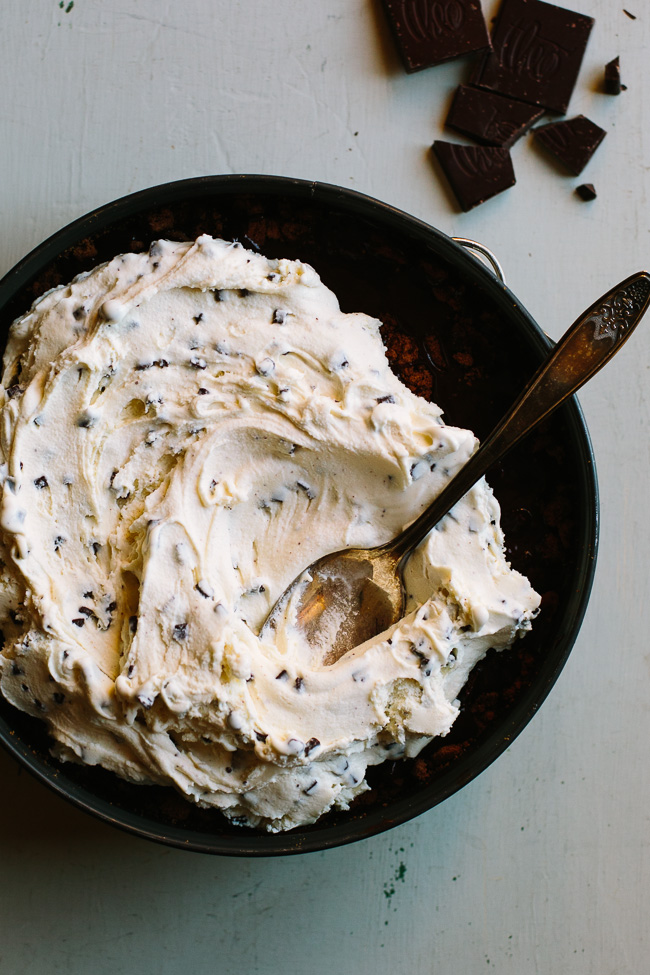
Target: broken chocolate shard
573,141
537,50
612,83
628,14
475,173
586,191
489,117
428,32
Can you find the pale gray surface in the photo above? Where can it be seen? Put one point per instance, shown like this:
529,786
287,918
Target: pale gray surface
542,864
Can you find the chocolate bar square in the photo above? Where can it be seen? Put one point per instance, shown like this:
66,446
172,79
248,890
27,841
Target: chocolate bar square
489,117
428,32
573,141
537,50
475,173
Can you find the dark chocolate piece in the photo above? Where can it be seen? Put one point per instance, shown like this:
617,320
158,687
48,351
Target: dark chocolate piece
475,173
428,32
489,117
628,14
537,53
573,142
586,191
613,77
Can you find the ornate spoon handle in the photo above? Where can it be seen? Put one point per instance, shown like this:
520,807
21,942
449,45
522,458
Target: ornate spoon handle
580,353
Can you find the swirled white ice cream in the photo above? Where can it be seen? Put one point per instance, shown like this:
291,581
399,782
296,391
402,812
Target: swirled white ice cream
183,432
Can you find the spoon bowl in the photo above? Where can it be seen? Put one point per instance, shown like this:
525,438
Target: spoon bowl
342,600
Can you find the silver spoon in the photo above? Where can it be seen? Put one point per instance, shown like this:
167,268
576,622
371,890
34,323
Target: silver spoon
352,595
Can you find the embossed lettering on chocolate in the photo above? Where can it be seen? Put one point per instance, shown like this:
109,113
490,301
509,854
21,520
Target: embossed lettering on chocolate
537,52
489,117
428,32
475,173
573,142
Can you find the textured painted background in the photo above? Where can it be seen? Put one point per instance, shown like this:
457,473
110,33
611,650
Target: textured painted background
542,864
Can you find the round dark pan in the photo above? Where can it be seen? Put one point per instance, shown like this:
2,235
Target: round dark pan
454,334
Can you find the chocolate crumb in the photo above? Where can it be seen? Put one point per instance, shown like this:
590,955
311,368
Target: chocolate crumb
612,81
41,482
282,675
298,683
628,14
586,191
79,621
